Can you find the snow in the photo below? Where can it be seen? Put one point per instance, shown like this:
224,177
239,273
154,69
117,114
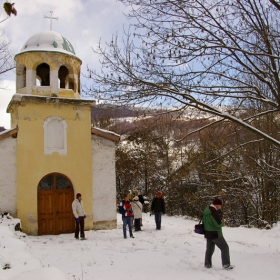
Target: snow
45,41
173,252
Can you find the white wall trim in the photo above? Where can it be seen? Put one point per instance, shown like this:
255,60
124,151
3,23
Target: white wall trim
55,136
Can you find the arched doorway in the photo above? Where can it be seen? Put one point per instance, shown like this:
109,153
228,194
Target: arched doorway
55,197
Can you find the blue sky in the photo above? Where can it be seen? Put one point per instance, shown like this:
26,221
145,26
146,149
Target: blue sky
82,22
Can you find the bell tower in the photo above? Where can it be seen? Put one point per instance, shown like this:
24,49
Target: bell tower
48,66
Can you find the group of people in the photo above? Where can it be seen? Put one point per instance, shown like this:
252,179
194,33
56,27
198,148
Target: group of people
131,209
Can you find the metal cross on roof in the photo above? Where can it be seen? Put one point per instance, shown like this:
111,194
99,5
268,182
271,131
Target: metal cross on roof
51,18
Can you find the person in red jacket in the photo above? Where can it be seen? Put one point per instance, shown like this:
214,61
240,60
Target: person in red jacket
125,209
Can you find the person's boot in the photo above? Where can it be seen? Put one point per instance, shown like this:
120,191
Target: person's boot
228,266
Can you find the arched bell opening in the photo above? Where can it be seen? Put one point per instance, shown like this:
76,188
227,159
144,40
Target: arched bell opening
62,76
43,74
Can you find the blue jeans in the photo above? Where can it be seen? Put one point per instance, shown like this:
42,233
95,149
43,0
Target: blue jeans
158,219
127,221
210,248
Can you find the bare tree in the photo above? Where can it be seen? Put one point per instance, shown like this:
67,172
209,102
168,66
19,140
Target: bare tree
6,54
196,53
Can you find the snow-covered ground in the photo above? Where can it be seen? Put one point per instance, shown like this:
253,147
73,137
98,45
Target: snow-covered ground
175,252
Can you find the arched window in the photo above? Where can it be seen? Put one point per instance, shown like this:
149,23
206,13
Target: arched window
62,74
54,181
43,72
55,136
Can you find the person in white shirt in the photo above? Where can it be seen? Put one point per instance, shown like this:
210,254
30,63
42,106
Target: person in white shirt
79,213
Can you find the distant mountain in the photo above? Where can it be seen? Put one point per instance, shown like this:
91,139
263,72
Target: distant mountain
127,120
104,111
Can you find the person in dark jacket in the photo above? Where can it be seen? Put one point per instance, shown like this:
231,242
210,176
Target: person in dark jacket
158,207
126,210
214,236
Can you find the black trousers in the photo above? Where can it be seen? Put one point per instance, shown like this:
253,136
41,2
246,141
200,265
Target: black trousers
221,243
137,224
80,228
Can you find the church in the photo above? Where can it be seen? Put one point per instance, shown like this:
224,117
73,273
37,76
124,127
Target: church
52,151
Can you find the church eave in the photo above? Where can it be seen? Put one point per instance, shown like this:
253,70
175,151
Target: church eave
105,134
20,98
9,133
50,51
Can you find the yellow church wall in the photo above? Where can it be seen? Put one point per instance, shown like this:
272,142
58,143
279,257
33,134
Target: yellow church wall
41,90
67,93
34,164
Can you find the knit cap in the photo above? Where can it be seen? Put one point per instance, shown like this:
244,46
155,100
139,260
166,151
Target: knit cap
217,201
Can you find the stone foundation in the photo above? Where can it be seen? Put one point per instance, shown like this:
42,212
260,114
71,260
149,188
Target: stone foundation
101,225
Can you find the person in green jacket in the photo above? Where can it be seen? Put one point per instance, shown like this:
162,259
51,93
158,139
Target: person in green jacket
214,236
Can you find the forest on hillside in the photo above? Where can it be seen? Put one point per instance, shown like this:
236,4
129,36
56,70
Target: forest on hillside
191,165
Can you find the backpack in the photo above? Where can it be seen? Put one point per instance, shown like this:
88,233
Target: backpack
121,209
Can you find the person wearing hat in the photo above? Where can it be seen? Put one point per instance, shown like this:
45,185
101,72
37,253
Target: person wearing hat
213,224
79,214
137,210
158,207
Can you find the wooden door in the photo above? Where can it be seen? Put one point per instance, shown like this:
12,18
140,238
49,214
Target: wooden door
46,211
55,197
64,219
